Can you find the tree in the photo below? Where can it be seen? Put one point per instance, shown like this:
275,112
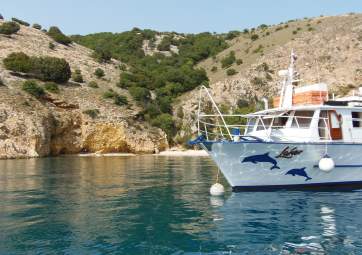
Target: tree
58,36
8,28
99,73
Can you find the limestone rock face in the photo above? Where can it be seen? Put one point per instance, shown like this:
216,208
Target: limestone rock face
120,137
36,131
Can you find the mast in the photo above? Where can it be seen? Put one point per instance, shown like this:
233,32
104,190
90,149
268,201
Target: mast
286,94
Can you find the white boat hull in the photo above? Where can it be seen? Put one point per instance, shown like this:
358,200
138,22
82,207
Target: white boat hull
259,165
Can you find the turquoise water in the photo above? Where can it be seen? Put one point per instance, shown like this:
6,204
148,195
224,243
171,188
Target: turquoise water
161,205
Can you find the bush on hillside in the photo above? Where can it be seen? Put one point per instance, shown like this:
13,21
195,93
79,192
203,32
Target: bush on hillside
214,69
77,76
93,84
51,87
140,94
232,34
58,36
239,61
120,100
37,26
43,68
110,93
33,88
99,73
165,122
1,17
51,46
93,113
18,62
165,44
21,22
231,72
254,37
228,60
8,28
50,69
102,55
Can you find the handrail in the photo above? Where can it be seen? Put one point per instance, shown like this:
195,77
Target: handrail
209,125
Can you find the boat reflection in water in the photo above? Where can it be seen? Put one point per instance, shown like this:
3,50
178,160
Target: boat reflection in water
290,222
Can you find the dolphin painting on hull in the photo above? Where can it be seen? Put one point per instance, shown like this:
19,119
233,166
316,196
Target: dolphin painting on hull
262,158
300,172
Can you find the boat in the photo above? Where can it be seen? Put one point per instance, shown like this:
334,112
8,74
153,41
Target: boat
306,141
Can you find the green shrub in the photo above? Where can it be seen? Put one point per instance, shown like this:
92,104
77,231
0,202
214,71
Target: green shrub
239,61
99,73
51,87
120,100
33,88
310,28
228,60
93,84
43,68
8,28
214,69
77,76
122,67
51,46
232,34
259,49
18,62
93,113
50,69
254,37
140,94
21,22
58,36
1,17
231,72
295,32
165,122
37,26
110,93
165,44
246,31
102,55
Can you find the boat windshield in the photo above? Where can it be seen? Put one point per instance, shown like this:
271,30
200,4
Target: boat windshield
275,119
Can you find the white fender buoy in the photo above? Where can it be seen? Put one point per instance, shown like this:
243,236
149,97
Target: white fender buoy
326,164
217,190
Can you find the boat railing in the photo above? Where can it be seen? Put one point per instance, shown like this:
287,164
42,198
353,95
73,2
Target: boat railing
215,125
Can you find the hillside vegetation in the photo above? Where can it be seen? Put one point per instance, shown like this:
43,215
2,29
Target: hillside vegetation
136,90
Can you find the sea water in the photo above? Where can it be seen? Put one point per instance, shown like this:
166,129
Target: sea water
161,205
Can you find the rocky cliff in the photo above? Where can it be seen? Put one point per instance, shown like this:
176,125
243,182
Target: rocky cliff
78,118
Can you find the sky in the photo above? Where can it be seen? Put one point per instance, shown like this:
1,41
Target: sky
184,16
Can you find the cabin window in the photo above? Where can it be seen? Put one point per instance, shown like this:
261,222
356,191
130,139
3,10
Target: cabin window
250,125
302,119
281,120
357,119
